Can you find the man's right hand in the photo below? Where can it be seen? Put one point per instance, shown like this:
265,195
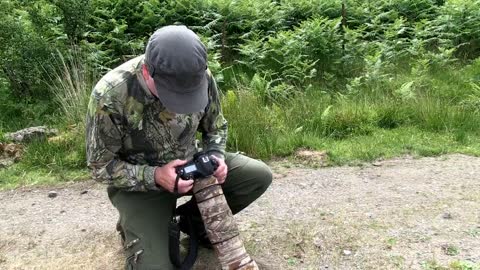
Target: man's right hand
165,177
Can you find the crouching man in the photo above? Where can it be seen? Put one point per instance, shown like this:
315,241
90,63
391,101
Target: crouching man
142,121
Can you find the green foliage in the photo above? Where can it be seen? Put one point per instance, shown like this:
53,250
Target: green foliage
296,11
75,15
294,40
456,27
366,80
294,56
22,52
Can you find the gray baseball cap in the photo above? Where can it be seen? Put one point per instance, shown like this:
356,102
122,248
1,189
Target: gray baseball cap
177,61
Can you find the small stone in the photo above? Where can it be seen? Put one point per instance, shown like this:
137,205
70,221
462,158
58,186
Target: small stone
83,230
447,216
347,252
317,242
298,255
33,204
84,192
62,212
303,185
377,164
52,194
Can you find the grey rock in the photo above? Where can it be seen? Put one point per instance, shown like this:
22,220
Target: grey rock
447,216
52,194
6,162
28,134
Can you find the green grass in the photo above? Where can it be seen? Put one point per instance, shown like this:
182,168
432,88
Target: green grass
406,112
454,265
46,162
436,113
351,129
464,265
19,175
354,132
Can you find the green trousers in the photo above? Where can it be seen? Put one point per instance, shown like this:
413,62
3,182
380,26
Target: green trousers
145,216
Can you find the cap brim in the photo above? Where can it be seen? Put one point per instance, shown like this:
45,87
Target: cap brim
183,99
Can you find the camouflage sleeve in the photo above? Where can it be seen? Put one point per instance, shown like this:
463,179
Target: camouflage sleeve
213,125
104,140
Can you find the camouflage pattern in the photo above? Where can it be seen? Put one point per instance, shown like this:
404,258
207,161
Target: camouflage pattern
220,225
130,132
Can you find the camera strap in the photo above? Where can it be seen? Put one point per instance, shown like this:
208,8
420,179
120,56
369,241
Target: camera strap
174,242
175,188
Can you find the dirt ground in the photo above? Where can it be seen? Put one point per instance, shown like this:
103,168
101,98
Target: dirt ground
402,213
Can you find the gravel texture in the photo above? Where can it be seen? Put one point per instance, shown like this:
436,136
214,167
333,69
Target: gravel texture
402,213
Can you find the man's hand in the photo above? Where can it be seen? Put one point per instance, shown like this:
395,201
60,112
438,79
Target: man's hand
165,176
221,172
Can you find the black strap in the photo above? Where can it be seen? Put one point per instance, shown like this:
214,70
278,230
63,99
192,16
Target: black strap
174,244
175,189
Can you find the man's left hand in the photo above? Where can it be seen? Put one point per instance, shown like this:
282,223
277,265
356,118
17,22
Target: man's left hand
221,172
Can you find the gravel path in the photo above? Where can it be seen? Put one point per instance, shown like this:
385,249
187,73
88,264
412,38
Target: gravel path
401,213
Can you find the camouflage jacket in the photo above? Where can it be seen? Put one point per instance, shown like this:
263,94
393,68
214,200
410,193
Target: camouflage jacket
129,131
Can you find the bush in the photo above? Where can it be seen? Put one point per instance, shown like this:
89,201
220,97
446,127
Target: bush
22,54
456,27
294,56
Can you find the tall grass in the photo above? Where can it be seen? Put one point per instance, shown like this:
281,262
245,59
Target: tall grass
267,128
72,87
255,128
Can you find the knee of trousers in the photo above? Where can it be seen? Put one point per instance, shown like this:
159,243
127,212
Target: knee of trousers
263,176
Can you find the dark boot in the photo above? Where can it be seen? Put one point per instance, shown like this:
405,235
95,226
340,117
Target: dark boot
120,231
198,228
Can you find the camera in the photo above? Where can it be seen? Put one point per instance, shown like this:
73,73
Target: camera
201,166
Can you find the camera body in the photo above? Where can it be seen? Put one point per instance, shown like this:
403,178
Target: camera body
201,166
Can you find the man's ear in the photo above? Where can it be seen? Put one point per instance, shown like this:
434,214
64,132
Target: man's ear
149,80
146,72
